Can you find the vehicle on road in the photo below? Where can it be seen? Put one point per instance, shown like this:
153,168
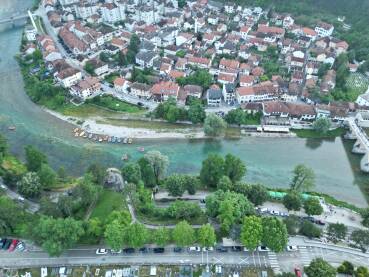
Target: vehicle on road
3,186
129,250
291,248
144,250
177,249
298,272
20,247
221,249
237,248
112,251
159,250
262,248
7,244
320,222
13,245
208,249
194,249
101,251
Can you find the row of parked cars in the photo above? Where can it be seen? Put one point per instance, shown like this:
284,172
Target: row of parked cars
12,245
285,214
192,249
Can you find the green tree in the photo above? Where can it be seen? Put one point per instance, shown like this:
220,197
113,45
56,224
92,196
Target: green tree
29,185
361,239
183,234
303,178
175,184
192,183
310,230
275,234
346,268
206,235
212,170
337,231
161,236
135,235
320,268
196,113
89,68
94,229
147,173
183,210
361,271
251,232
3,147
47,176
225,184
114,235
97,172
122,217
322,125
292,201
293,224
257,194
10,215
312,206
34,158
214,125
234,168
158,162
132,173
365,216
56,235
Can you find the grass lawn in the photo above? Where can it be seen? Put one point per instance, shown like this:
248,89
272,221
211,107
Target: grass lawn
108,201
154,125
357,82
114,104
314,134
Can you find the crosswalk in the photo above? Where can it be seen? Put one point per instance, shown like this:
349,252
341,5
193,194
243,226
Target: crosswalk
305,255
274,264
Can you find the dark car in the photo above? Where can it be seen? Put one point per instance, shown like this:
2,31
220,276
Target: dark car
221,249
7,244
2,241
159,250
129,250
237,248
144,250
320,222
177,249
140,104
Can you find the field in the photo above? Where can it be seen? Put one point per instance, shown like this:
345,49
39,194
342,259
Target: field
357,82
108,202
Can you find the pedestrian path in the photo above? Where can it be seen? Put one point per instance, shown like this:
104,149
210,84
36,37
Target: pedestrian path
305,255
273,261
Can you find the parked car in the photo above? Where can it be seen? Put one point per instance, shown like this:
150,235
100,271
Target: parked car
207,249
159,250
20,247
221,249
283,214
101,251
194,249
263,248
7,244
320,222
115,251
129,250
177,249
298,272
291,248
237,248
264,210
144,250
13,245
2,241
273,212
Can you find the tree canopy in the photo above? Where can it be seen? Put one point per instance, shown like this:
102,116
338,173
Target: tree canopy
320,268
303,178
214,125
183,234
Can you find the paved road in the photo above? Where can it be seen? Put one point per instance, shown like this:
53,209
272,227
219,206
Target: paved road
285,261
30,206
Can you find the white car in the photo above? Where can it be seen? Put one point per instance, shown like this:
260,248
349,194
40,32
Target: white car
101,251
194,249
116,251
262,248
291,248
273,212
209,249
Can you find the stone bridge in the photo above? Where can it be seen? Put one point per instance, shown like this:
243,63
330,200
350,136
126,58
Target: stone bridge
361,145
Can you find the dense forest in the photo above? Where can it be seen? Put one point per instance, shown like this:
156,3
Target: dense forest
307,12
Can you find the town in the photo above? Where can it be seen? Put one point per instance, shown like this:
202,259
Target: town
228,56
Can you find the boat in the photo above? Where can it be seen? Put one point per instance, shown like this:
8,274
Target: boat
113,139
90,136
141,149
125,157
109,139
85,135
119,140
95,138
129,140
106,138
82,134
100,139
11,128
76,134
75,130
125,140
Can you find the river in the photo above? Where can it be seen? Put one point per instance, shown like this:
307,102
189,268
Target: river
269,160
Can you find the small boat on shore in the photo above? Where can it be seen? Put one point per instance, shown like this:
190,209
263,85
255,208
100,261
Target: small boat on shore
11,128
125,157
75,130
100,139
141,149
129,140
125,140
76,134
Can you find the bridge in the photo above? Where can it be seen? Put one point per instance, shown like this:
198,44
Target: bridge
13,18
361,145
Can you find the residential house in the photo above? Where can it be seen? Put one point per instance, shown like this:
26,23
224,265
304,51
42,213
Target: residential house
279,109
199,62
214,97
228,92
145,59
68,76
324,29
141,90
121,85
87,88
247,80
162,91
99,66
193,90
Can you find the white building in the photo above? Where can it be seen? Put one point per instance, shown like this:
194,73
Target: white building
324,29
112,13
68,77
30,33
363,100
